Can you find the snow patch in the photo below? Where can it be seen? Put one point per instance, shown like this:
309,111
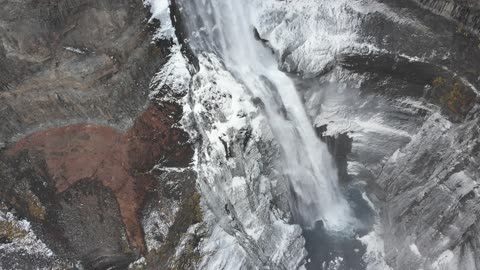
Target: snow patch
161,11
29,243
74,50
375,253
444,261
172,81
415,250
309,35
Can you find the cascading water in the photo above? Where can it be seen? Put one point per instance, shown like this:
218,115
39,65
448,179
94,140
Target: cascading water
224,27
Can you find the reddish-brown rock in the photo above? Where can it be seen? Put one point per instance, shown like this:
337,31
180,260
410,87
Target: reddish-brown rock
121,161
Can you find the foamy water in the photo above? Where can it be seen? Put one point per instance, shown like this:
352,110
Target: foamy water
224,27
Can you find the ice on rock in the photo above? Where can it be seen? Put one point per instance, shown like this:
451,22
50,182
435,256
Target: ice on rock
245,214
157,222
444,261
439,203
244,196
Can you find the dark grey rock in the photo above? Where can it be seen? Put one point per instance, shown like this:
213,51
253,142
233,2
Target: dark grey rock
73,61
465,12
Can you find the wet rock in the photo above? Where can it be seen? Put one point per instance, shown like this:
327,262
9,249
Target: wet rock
339,146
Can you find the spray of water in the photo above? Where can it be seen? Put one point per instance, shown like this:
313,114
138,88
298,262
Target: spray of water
224,27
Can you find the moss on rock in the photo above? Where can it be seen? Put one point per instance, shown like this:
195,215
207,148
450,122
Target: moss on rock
189,214
453,96
35,207
438,81
457,98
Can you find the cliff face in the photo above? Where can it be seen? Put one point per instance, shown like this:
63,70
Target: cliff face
402,84
465,12
411,109
83,149
397,86
95,170
74,61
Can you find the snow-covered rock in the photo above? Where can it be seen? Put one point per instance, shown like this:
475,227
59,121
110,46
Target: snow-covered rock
22,245
421,166
243,196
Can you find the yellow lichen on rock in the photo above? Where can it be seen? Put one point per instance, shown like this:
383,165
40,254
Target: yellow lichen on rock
438,81
35,207
454,98
10,231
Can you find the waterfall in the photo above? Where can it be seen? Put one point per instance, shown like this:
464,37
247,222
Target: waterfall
224,28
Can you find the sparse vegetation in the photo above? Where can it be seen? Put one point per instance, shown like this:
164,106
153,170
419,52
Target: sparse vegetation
35,207
189,214
453,95
193,204
10,231
454,98
438,81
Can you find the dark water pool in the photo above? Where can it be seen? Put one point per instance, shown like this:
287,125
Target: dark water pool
340,250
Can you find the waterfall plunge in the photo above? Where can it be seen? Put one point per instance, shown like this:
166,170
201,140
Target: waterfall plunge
224,27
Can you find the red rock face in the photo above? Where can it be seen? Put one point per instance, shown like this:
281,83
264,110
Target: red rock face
121,161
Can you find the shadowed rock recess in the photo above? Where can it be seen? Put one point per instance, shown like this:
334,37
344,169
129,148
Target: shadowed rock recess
81,146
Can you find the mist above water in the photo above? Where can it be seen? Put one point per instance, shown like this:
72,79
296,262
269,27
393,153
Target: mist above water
224,27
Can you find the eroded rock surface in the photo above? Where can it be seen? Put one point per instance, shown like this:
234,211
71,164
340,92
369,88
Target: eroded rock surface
411,111
466,12
73,61
120,161
82,147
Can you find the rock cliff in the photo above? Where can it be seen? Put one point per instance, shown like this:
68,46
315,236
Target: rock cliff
83,146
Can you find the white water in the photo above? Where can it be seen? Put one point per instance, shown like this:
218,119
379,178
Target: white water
225,27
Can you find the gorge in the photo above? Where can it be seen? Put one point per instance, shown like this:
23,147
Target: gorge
223,134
